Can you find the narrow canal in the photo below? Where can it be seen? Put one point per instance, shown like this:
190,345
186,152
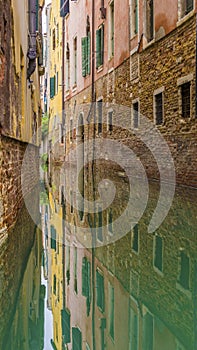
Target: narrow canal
136,292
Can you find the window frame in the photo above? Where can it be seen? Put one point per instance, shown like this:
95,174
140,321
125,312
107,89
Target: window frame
134,102
155,94
180,82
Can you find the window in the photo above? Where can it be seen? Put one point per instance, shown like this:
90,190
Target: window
85,277
100,301
67,67
135,239
52,87
133,330
86,285
147,332
110,121
64,7
71,202
65,318
54,284
185,99
71,130
53,238
53,38
136,114
159,108
111,30
75,61
100,115
185,6
85,45
75,270
57,30
110,221
133,17
100,224
158,253
68,264
76,339
111,311
99,46
184,270
149,19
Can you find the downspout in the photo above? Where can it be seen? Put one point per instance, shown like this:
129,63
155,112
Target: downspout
31,54
63,83
93,98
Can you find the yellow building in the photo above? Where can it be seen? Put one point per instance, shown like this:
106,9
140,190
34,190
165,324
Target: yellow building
56,254
20,117
55,74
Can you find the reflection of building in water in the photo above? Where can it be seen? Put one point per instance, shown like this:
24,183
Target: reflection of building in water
53,257
135,293
25,330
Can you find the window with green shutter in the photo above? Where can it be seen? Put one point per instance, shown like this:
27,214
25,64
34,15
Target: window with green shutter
76,339
65,318
100,301
85,44
99,46
53,238
52,87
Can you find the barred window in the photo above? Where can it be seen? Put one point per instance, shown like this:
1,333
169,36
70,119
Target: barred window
159,108
185,96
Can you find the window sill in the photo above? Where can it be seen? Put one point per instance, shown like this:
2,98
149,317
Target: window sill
183,290
149,43
110,70
185,18
99,69
74,88
158,271
133,36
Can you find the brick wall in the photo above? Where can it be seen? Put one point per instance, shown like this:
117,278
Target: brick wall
11,192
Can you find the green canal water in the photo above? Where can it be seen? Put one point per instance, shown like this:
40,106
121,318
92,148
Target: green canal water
139,292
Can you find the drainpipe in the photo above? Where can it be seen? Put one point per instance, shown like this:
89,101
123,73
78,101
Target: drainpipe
31,54
93,176
63,83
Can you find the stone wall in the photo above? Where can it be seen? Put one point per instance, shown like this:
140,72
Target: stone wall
12,192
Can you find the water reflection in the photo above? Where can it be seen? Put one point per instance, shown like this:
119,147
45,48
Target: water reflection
21,293
135,293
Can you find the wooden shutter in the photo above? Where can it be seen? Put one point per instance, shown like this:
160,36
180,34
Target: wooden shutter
52,87
98,48
100,291
76,339
88,53
102,44
84,277
65,316
53,238
84,54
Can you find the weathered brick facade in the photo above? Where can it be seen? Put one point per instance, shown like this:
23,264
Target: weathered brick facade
159,65
12,191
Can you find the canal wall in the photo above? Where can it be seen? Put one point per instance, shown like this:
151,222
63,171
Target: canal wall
14,255
14,185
